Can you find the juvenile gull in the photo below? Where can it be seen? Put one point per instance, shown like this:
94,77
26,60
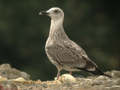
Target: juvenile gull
63,52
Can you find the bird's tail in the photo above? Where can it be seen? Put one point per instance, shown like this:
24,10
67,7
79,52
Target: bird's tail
96,72
107,75
99,72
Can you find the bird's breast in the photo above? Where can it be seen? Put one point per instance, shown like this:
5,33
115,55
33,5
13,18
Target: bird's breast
49,50
49,43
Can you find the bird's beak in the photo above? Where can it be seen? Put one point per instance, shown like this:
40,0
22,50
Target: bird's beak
43,13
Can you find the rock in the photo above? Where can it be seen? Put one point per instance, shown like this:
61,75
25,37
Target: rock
8,86
11,73
100,80
85,82
20,79
65,82
3,78
115,74
117,82
113,88
67,78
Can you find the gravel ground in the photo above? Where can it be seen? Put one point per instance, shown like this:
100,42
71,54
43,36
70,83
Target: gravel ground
65,82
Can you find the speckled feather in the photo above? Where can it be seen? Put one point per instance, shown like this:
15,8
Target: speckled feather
63,52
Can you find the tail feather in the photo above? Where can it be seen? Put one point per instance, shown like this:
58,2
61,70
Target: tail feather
107,75
99,72
96,72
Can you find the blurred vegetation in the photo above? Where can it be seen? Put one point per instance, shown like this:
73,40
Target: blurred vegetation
92,24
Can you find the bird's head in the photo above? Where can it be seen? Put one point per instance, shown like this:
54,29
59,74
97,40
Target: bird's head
54,13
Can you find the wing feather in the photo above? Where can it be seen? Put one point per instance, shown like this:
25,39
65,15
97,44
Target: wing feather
69,53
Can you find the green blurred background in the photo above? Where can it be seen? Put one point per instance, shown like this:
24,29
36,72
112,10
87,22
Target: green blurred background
93,24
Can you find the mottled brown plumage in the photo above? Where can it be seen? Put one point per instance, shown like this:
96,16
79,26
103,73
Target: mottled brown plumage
63,52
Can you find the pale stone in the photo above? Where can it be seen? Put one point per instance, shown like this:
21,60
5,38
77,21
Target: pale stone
67,78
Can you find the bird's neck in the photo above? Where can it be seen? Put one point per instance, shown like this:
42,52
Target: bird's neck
57,31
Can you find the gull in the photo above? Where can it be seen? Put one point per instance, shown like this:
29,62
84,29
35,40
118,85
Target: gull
64,53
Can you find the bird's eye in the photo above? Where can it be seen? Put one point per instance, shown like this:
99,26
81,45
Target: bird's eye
56,11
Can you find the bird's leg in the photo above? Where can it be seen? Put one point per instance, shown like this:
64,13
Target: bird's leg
58,73
70,72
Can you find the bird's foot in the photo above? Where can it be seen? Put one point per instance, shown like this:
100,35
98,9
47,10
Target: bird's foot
70,72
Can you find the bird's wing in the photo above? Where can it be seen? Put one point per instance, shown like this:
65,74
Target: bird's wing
69,53
84,60
61,54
